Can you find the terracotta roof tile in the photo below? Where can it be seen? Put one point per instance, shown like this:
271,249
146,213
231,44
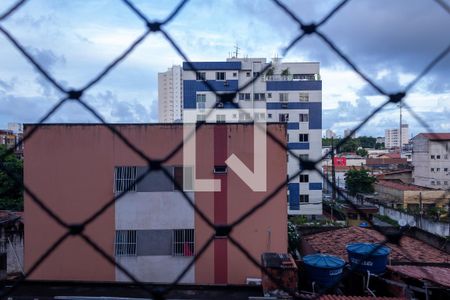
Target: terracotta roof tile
435,136
401,186
410,250
439,275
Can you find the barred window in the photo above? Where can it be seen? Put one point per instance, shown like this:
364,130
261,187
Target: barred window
201,75
124,179
304,178
303,137
304,198
183,242
303,118
220,76
283,117
125,243
284,97
303,97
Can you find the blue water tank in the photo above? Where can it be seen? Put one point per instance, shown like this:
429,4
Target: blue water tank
324,269
365,257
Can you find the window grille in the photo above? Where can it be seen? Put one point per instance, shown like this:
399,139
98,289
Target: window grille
284,97
124,179
183,242
125,243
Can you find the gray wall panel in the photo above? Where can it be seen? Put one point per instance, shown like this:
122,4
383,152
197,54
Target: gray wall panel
154,242
155,181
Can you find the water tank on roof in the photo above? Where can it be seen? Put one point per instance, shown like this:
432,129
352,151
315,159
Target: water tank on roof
324,269
365,257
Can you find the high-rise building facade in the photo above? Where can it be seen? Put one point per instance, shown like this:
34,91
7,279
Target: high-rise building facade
170,89
330,134
288,92
392,137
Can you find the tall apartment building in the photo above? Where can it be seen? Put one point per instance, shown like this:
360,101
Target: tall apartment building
152,231
170,100
431,160
289,92
330,134
392,137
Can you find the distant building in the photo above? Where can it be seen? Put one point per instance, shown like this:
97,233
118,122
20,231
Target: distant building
152,230
7,138
387,161
347,132
431,160
330,134
15,127
392,137
380,140
170,95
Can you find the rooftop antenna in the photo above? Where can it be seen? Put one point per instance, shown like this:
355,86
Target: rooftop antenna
236,50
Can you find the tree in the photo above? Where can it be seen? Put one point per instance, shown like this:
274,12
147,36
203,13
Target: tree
11,191
359,181
349,146
362,152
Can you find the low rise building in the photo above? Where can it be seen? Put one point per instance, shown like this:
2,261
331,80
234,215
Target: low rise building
152,230
409,196
431,160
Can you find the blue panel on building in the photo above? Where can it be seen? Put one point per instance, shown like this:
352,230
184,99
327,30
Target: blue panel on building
315,111
313,85
294,198
191,87
316,186
211,65
298,146
293,126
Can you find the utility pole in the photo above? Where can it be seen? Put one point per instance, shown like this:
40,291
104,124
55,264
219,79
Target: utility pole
333,178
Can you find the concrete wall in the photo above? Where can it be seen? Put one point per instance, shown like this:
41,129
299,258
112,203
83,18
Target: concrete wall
71,168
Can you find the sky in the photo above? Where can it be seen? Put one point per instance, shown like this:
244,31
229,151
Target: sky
390,41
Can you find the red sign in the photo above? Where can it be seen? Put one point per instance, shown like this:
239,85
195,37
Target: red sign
340,161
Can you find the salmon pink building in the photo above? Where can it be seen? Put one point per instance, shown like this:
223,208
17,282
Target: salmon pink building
152,230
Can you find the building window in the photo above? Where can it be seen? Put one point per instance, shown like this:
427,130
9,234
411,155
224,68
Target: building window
201,118
304,198
269,116
124,179
445,182
183,242
438,169
432,156
432,169
284,97
201,76
184,177
261,96
244,96
256,74
304,178
260,116
234,74
269,95
438,157
248,74
445,169
303,118
303,97
220,76
432,182
303,137
201,101
283,117
256,97
304,156
438,182
125,243
220,169
220,119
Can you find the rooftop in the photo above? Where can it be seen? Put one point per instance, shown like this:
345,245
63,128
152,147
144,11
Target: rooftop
410,250
437,275
398,185
434,136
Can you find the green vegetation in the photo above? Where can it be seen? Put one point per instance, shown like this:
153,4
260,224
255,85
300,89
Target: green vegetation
11,192
362,152
359,181
353,144
386,219
293,237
